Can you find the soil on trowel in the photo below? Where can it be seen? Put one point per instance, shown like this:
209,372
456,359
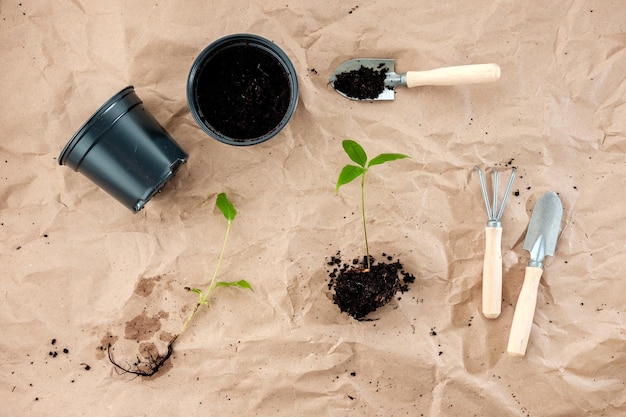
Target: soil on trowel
359,292
363,83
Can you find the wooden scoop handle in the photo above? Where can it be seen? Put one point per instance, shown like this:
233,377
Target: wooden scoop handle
492,273
524,312
463,74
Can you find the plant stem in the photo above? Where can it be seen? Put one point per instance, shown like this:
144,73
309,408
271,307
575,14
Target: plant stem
367,248
191,316
219,260
211,287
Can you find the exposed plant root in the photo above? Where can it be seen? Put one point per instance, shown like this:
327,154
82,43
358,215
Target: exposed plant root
143,367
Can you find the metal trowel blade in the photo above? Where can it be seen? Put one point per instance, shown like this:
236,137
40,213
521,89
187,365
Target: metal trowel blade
544,227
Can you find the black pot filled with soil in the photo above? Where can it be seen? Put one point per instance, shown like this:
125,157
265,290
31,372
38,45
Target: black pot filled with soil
242,89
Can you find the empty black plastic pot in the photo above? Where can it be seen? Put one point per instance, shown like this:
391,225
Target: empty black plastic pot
124,150
242,89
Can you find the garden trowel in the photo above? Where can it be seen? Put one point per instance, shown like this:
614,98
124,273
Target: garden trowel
457,75
541,237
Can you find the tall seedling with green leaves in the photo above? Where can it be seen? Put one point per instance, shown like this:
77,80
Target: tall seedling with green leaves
351,172
151,367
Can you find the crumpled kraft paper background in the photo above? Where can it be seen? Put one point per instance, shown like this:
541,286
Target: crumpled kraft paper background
82,270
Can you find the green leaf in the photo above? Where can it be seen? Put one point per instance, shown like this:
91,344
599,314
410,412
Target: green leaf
241,284
386,157
348,174
355,152
226,207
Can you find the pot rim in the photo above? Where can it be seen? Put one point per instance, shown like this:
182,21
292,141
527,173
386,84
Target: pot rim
250,40
91,122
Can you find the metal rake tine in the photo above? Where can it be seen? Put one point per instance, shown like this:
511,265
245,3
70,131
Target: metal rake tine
507,192
483,186
494,207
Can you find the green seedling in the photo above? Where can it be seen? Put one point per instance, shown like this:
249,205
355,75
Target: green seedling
351,172
229,211
151,367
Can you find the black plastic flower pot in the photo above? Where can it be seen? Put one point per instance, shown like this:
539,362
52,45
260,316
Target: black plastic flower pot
124,150
242,89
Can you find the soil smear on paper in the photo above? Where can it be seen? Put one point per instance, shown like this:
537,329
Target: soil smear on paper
243,92
363,83
358,292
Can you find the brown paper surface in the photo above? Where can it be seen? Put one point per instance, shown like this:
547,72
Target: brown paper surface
80,268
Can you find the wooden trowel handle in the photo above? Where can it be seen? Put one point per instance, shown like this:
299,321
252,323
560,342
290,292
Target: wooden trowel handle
492,273
464,74
524,312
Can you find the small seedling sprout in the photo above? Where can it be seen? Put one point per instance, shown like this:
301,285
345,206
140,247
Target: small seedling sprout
351,172
229,211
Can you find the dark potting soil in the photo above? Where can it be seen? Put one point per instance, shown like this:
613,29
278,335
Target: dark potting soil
243,92
362,84
358,292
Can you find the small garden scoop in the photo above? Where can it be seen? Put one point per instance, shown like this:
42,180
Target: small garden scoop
492,262
377,77
541,237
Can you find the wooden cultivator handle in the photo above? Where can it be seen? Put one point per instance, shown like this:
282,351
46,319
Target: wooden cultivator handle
492,273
